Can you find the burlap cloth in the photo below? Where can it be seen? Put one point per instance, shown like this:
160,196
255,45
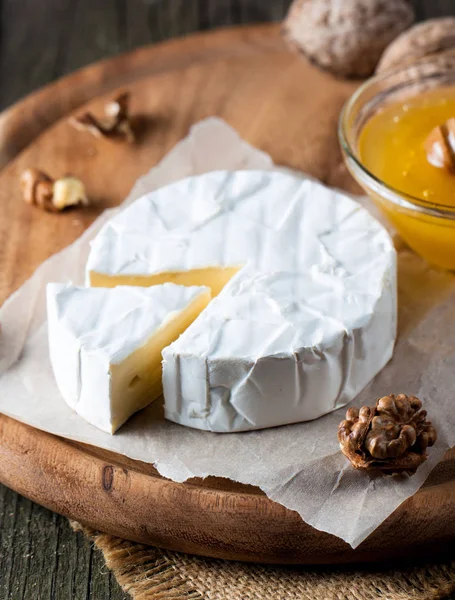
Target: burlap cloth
147,572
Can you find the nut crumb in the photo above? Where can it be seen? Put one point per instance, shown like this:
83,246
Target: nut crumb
391,437
40,190
116,120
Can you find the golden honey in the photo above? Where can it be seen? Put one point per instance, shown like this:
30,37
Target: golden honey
391,146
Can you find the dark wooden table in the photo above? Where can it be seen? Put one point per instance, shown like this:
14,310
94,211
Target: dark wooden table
40,557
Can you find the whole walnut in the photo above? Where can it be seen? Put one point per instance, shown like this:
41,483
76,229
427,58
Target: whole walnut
393,436
425,40
346,37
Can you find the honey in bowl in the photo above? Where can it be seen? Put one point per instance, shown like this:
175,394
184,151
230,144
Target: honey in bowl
392,146
416,191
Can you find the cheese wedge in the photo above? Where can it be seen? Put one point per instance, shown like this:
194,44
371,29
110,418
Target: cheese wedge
105,344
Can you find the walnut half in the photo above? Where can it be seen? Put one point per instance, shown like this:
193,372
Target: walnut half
393,436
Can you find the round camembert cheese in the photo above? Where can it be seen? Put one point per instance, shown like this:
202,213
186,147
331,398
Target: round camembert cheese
305,284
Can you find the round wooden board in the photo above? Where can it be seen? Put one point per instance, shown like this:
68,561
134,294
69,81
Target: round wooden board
280,104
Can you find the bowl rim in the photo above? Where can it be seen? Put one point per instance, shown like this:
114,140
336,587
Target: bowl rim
380,187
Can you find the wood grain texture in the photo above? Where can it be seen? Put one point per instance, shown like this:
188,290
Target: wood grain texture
42,558
43,40
39,42
27,119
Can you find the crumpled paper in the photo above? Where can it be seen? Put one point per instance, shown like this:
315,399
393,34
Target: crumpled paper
299,466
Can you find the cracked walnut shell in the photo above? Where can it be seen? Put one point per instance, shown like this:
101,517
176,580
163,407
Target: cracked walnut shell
346,37
393,436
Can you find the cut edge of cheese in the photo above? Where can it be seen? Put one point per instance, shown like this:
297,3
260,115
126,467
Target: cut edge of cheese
137,381
213,277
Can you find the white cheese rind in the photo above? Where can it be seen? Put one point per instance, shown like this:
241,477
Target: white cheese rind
308,320
92,331
246,363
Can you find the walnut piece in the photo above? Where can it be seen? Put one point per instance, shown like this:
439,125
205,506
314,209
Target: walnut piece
346,37
424,40
53,196
37,188
69,191
116,120
440,146
392,437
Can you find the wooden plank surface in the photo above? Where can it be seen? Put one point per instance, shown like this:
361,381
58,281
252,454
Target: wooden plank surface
40,557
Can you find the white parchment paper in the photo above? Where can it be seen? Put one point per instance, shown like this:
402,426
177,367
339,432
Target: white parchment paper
299,466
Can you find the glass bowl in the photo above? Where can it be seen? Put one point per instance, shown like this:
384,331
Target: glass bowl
427,227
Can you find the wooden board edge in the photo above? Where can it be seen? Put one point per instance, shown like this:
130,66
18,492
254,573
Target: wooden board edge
150,509
22,122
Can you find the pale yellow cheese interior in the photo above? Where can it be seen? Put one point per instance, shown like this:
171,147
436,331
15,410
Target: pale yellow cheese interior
213,277
136,381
